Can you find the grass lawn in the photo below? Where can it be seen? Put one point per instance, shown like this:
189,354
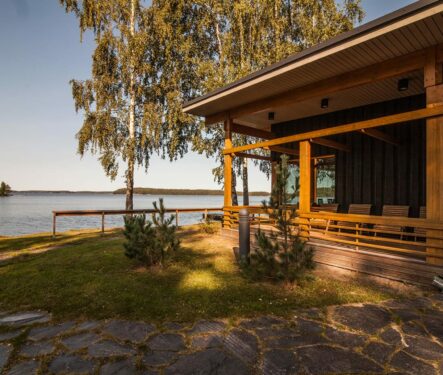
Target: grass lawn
87,276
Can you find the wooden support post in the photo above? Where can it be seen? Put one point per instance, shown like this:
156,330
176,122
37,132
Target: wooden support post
176,218
434,154
103,223
305,186
54,224
228,171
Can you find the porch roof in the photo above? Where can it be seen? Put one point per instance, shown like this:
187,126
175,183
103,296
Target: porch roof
406,31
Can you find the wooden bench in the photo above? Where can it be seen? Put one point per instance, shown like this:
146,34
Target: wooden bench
355,209
332,207
397,211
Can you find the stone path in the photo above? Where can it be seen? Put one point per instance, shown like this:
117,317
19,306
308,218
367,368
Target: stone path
394,337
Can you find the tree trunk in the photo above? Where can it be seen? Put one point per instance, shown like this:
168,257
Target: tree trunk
245,182
234,190
131,125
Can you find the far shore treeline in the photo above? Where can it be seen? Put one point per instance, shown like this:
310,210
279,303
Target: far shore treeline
154,191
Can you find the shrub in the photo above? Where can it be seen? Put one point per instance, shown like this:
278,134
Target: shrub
281,254
150,242
209,226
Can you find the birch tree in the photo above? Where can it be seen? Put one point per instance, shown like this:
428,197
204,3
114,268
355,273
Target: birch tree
128,107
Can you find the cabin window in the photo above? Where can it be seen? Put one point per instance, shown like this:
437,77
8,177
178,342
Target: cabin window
324,172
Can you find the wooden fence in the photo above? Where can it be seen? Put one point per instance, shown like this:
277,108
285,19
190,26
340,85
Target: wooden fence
104,213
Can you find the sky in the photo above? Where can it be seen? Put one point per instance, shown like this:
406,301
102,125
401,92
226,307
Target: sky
40,52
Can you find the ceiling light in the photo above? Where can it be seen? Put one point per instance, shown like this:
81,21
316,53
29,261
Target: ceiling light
324,103
403,84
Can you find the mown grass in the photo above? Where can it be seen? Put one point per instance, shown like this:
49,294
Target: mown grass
92,279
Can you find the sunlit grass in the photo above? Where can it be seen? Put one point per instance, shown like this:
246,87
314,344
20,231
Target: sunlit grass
88,276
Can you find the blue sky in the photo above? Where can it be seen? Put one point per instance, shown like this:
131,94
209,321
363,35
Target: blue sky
40,52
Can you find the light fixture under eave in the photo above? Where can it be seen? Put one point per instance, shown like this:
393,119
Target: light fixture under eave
403,84
271,116
324,103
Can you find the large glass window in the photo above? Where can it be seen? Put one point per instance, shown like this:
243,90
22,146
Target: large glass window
324,180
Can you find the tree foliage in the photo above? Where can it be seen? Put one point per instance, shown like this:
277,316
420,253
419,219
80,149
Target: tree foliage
230,39
5,189
281,254
150,242
131,104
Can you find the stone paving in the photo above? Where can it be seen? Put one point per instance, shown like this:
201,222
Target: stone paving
394,337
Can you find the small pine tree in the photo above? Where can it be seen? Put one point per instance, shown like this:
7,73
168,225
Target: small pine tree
150,242
281,254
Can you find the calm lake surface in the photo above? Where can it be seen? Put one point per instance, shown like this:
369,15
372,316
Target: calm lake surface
26,213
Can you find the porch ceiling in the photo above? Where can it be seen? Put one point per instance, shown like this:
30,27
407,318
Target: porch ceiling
367,94
405,31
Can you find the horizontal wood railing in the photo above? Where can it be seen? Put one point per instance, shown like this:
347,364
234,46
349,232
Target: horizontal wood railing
411,237
104,213
395,235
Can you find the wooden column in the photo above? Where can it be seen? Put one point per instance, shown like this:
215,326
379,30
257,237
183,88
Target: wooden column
305,186
227,171
305,176
434,153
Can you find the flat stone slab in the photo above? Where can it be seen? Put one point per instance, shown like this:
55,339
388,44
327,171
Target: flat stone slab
107,348
243,344
40,333
24,368
124,367
208,362
423,348
10,335
88,326
410,365
279,361
80,341
167,341
343,338
323,359
213,340
36,349
158,358
25,318
128,331
366,318
379,352
70,364
206,326
5,352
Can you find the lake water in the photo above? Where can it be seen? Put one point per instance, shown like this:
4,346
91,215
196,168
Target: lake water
26,213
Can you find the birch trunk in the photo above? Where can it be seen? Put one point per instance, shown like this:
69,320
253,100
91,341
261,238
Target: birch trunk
234,189
131,125
245,182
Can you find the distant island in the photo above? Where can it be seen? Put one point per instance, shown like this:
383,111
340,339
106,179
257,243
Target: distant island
156,191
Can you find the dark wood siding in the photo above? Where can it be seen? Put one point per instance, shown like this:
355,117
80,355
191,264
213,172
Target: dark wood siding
374,171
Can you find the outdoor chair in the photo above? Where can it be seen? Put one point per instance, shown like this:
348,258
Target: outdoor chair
393,210
355,209
420,232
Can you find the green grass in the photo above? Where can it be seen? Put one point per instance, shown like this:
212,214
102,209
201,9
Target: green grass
88,276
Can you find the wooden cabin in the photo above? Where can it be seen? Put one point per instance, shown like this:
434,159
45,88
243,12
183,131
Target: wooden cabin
370,101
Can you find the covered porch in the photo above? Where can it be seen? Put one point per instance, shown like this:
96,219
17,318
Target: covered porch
369,104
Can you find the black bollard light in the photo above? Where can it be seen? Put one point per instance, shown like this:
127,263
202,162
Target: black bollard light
244,235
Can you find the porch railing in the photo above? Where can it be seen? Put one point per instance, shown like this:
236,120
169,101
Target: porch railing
410,237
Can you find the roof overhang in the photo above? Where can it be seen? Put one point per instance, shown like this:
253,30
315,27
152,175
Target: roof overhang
404,32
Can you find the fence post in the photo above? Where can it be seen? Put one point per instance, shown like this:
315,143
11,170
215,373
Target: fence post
244,235
54,224
103,223
206,215
176,218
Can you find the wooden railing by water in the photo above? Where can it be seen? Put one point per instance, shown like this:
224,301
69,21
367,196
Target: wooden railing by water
104,213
